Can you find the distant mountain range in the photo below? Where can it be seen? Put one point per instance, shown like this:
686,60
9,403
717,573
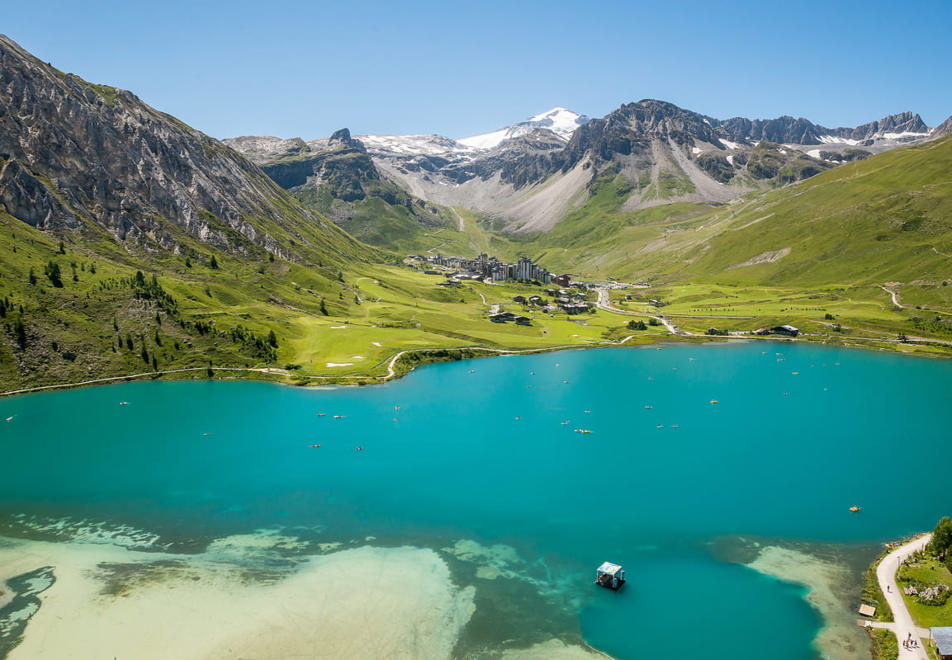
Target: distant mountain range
530,174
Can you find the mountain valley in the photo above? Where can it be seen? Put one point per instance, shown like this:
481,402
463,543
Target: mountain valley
132,244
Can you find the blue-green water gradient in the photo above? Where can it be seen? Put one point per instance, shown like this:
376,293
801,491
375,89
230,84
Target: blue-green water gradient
478,450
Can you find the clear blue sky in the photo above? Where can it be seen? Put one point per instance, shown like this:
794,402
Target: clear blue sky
306,68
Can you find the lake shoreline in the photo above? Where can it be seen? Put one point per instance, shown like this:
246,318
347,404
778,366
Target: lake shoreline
431,356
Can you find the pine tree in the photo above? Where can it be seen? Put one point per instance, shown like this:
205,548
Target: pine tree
62,248
323,308
214,263
54,275
272,338
20,330
129,343
32,277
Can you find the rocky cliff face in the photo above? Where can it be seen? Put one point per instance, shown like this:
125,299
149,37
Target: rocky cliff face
905,126
340,164
942,129
77,155
783,130
337,178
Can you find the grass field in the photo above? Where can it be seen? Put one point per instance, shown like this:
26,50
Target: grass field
927,570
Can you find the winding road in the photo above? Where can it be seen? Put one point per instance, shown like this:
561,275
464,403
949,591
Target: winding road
604,303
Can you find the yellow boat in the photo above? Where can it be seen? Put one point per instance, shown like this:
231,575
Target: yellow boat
854,509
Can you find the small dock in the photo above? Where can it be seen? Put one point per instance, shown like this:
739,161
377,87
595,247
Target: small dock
610,576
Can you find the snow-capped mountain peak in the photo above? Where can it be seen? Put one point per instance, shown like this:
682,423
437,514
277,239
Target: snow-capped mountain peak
560,121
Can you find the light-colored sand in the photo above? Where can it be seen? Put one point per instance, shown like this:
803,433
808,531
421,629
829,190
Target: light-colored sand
340,364
553,649
338,327
360,603
840,638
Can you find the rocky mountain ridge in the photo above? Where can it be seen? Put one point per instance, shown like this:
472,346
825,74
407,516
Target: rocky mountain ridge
76,156
530,178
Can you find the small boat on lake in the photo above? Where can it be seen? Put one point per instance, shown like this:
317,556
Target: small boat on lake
854,509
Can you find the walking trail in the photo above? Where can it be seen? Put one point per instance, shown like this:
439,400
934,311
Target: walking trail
903,625
892,293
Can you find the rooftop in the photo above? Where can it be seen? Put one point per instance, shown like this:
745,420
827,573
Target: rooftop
943,639
611,569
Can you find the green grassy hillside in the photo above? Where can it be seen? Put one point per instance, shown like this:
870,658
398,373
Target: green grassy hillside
887,218
884,219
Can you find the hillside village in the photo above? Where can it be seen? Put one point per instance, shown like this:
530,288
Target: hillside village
566,296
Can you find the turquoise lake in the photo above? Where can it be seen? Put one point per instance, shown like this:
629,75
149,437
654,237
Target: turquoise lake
478,450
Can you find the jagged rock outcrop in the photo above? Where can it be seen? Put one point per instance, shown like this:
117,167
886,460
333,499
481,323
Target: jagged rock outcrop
76,153
339,164
942,129
782,130
632,128
904,125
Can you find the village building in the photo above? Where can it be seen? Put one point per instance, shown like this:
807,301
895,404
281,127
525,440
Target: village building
942,637
785,330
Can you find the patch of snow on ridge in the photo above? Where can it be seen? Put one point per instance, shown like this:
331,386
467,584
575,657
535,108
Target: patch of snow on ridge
432,145
695,151
904,134
730,145
832,139
560,121
488,140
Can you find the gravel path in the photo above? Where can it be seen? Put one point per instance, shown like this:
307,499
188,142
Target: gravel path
903,625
